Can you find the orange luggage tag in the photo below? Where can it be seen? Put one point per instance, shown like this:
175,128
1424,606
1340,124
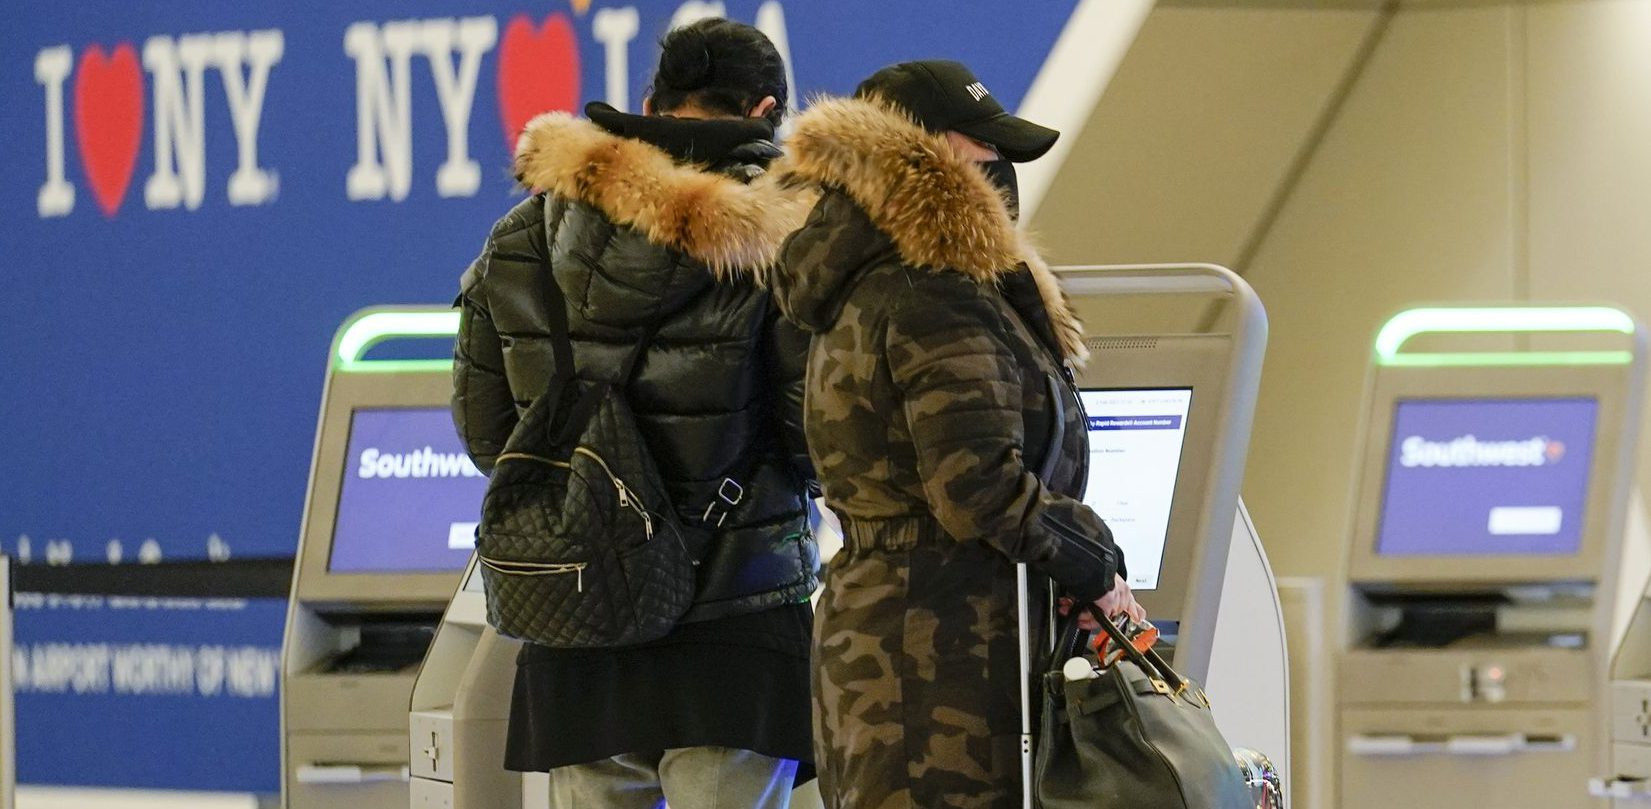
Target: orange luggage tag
1141,635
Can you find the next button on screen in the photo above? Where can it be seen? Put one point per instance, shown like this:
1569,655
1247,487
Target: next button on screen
1526,520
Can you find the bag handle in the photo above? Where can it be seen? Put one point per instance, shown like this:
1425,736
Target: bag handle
1067,645
1149,661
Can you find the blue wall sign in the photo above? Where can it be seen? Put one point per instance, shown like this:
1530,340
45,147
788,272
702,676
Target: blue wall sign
200,192
157,693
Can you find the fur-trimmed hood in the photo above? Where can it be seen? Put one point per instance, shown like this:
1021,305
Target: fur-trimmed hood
728,225
935,206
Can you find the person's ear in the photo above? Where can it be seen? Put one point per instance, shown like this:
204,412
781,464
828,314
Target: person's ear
647,105
763,107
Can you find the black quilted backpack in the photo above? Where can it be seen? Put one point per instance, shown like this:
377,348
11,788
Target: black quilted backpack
579,544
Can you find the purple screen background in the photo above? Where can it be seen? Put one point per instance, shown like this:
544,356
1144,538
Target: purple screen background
401,524
1444,511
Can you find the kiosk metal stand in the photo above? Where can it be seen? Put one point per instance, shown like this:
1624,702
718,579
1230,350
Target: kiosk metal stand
461,707
1488,556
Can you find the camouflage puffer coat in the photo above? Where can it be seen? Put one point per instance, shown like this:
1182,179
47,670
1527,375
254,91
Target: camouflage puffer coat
936,371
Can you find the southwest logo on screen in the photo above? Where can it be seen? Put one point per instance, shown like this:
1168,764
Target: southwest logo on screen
420,463
1468,451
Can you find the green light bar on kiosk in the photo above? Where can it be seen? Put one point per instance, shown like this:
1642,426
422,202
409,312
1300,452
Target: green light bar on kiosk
1506,320
377,325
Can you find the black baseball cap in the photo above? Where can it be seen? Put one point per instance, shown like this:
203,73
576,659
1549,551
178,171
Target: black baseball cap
942,94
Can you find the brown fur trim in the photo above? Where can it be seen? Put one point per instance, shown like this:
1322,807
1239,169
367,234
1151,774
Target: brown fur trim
728,225
1068,328
938,208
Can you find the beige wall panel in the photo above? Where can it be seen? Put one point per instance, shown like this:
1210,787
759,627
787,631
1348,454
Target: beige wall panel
1590,156
1406,201
1195,133
1590,151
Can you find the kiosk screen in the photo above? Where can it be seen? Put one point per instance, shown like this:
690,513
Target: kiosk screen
1487,477
410,497
1135,439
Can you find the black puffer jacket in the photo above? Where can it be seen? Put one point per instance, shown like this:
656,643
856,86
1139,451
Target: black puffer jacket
634,238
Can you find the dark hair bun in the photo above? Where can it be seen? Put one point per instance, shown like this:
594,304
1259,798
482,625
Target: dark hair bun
721,66
685,63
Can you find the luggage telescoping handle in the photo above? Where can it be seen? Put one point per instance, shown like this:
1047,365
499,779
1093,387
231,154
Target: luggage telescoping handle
1021,614
1023,607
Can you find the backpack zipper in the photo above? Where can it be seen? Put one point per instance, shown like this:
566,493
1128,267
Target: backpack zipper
626,498
538,569
525,456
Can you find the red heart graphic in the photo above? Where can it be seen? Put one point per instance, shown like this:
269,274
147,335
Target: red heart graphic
109,120
538,71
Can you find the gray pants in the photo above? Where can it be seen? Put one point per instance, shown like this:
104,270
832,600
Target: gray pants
685,778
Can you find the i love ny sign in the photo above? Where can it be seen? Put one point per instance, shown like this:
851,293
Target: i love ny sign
121,92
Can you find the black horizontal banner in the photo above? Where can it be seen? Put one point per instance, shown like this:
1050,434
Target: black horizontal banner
235,578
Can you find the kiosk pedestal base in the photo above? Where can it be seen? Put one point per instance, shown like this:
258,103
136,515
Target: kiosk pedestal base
1249,682
1630,788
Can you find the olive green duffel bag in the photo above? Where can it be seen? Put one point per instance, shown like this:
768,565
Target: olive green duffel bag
1135,735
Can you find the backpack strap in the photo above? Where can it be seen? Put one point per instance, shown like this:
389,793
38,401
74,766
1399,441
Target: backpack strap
561,339
628,370
577,411
730,492
561,346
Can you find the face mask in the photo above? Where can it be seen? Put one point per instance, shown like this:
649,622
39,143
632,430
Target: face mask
1001,173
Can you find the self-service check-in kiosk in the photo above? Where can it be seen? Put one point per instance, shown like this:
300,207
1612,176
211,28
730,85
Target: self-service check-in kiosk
388,525
1487,558
1169,393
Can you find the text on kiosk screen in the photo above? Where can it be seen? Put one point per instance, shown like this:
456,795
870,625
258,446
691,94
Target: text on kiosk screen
410,497
1487,477
1135,439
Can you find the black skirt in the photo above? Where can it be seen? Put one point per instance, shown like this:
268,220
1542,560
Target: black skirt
739,682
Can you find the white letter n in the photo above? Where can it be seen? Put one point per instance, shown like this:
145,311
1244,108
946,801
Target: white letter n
383,109
176,72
